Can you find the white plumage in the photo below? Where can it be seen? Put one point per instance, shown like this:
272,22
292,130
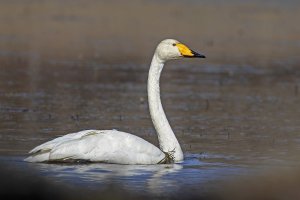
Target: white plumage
109,146
112,146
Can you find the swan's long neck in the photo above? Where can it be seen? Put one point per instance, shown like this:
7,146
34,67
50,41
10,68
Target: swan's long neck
166,137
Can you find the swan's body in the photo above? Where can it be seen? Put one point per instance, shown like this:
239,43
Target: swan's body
109,146
113,146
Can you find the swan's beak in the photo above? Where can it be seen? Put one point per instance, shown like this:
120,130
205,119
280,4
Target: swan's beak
187,52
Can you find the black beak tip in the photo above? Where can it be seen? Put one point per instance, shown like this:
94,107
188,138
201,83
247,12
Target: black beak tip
201,56
198,55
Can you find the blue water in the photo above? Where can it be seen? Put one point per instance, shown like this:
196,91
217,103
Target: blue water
195,172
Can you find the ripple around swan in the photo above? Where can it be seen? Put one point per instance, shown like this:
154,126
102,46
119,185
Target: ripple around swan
139,178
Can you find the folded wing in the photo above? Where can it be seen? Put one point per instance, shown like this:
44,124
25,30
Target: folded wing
109,146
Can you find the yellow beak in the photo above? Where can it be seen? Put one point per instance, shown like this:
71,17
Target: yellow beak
187,52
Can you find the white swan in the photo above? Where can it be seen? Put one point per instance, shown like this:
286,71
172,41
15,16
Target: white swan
112,146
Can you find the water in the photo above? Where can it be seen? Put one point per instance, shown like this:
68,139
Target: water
226,118
156,180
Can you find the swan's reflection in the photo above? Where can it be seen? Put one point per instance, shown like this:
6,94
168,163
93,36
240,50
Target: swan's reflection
197,172
132,177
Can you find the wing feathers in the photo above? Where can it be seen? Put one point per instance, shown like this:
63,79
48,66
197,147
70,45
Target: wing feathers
98,146
72,136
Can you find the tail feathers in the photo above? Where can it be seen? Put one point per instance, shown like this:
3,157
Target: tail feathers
39,157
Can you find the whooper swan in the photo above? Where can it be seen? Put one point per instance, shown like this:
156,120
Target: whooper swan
112,146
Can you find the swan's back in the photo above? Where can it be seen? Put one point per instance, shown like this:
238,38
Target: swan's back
110,146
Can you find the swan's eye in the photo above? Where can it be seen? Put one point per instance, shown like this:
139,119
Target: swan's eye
174,44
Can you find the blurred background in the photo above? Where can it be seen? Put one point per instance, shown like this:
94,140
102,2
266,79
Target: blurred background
68,65
263,33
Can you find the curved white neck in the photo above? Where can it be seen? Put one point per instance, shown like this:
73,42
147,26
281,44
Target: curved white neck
166,137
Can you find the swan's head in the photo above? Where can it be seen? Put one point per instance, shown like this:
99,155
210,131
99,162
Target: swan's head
170,49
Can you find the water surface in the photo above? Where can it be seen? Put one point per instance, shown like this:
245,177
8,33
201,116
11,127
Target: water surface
230,120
